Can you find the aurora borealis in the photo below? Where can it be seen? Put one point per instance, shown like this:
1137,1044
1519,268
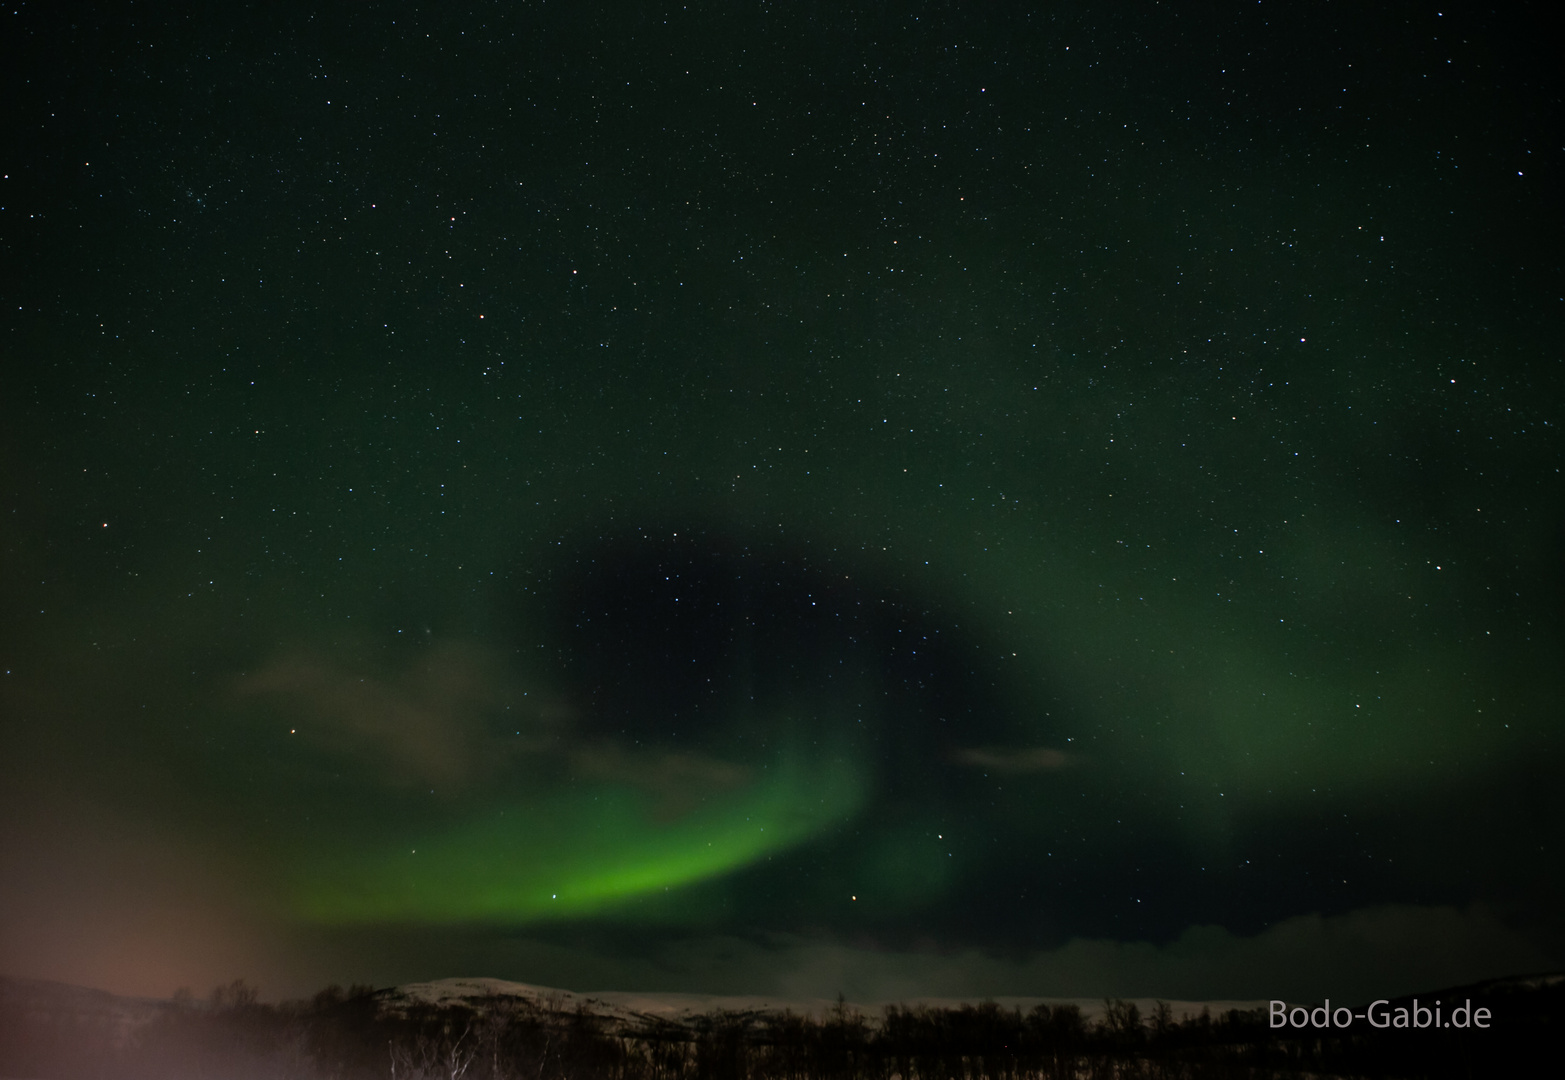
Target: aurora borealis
759,498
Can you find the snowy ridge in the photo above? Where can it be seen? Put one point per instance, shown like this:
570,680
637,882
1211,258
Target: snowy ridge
629,1009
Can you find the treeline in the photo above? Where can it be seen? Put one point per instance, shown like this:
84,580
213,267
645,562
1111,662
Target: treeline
358,1033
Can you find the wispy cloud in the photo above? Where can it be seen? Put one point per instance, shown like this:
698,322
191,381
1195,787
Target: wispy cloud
677,782
426,725
435,724
1015,760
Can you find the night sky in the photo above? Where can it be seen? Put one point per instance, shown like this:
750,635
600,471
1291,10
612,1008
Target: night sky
782,498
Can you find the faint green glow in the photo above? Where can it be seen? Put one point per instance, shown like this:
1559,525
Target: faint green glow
576,853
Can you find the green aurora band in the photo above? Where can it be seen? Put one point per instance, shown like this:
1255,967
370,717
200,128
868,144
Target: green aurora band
517,864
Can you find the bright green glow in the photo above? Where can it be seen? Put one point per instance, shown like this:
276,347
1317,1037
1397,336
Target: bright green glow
577,853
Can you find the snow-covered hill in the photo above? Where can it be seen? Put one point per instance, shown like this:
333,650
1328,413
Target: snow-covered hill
630,1009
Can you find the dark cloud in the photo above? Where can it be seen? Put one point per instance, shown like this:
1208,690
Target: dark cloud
1357,955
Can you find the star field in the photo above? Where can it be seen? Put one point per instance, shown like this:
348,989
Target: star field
619,479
